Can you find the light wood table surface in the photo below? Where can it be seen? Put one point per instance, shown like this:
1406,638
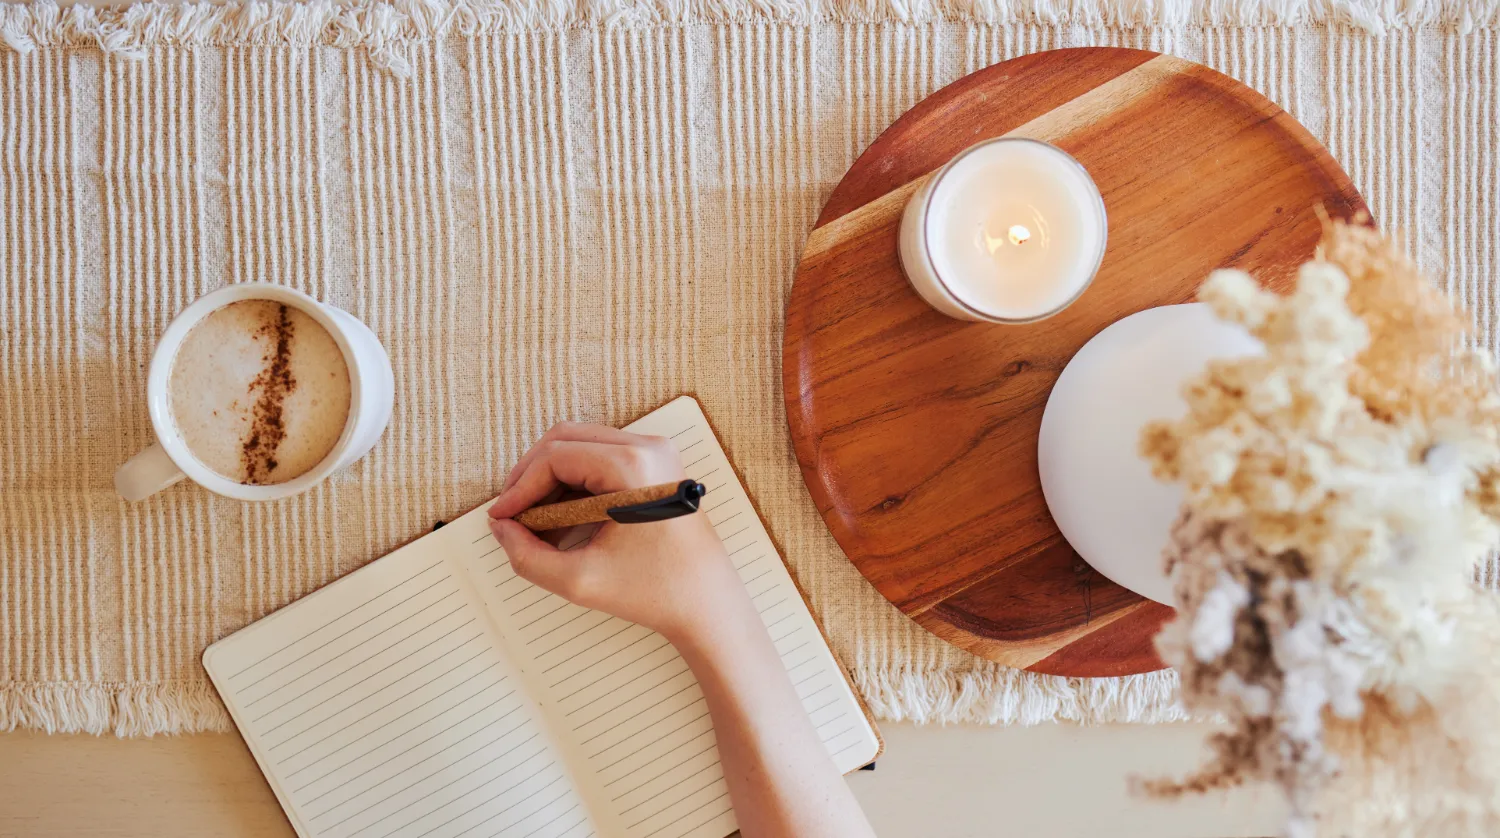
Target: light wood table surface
1054,781
56,786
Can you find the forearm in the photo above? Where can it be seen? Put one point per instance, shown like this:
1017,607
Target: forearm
675,578
780,778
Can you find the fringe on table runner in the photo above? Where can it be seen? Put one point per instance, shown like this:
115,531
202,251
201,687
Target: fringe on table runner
1000,696
118,709
997,696
383,26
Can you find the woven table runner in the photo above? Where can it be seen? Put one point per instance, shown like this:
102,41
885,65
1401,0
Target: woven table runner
546,211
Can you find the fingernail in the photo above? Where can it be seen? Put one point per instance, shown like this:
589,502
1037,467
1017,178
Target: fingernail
495,528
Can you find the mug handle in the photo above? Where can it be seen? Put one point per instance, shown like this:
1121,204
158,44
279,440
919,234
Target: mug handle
146,473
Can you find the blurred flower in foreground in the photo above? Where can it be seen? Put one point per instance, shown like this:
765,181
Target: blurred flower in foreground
1340,492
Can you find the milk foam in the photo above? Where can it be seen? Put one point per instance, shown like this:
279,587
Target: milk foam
259,392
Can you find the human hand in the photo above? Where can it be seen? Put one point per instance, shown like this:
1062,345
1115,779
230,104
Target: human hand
675,578
670,576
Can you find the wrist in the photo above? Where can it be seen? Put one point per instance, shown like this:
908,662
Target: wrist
723,622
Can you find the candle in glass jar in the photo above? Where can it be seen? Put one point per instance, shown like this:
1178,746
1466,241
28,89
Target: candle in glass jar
1010,231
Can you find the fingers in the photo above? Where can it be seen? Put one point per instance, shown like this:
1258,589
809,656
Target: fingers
595,466
569,432
561,572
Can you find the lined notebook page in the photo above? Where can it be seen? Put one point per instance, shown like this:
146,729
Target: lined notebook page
634,713
383,705
434,694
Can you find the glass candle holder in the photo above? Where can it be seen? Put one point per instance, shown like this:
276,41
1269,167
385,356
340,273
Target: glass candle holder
1011,230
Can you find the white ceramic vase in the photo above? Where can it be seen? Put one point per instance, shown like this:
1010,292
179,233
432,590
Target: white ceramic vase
1099,490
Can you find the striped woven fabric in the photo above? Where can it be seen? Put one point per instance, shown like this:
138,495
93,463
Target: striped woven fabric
546,212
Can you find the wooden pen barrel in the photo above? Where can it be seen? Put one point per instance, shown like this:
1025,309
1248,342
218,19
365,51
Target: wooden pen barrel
592,510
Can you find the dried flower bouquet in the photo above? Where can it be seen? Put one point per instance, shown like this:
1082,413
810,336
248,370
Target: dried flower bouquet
1340,491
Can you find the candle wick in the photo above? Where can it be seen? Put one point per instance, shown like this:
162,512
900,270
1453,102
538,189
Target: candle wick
1017,235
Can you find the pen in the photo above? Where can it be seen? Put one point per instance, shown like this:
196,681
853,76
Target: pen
632,506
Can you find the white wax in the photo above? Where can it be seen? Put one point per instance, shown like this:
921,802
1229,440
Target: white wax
1010,230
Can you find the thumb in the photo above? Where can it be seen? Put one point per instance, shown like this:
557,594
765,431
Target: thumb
538,562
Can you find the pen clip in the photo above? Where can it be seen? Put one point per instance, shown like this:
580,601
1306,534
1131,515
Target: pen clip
684,502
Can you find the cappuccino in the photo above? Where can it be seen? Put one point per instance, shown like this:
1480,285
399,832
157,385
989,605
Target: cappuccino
259,391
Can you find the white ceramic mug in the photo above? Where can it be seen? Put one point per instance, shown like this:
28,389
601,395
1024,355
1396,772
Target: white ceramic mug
372,391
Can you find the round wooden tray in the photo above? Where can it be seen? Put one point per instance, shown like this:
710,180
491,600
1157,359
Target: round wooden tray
917,433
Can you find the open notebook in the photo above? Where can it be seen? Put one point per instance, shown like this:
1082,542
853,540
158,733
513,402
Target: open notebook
434,694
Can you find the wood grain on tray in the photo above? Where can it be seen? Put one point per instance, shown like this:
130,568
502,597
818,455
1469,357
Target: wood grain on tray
916,433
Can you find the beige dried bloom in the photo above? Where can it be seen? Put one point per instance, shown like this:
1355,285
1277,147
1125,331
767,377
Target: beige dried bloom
1339,491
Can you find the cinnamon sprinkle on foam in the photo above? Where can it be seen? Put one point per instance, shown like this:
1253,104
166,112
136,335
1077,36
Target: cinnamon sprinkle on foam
274,383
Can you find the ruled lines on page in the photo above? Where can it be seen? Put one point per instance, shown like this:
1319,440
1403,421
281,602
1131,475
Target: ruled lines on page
634,710
626,697
826,696
382,708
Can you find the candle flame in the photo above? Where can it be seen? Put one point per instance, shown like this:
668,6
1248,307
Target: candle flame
1016,235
